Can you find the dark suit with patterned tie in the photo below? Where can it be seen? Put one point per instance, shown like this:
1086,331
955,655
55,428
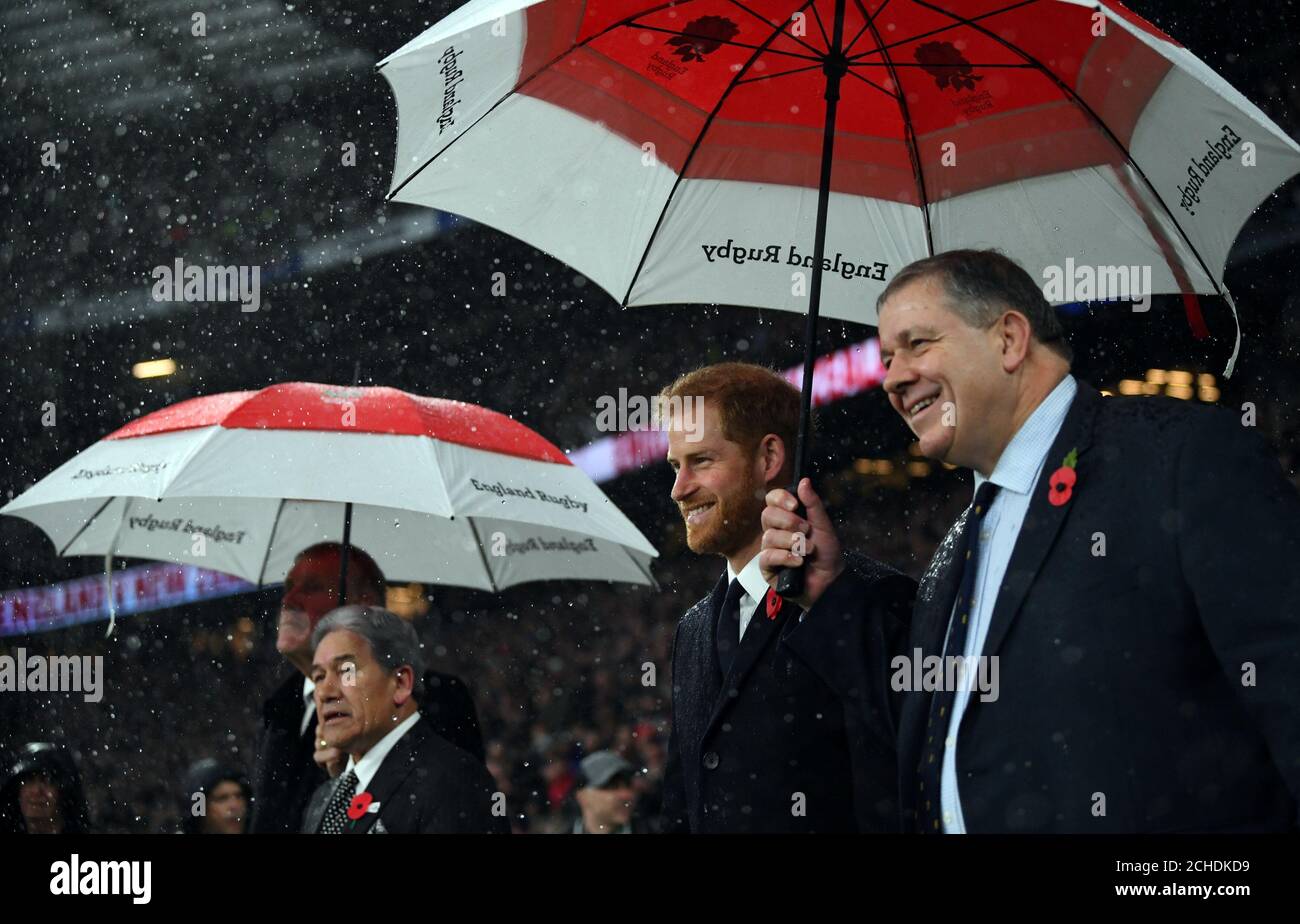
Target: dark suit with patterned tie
424,786
798,734
286,774
1148,634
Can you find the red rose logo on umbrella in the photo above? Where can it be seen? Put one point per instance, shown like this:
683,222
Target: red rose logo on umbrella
702,36
360,805
947,65
1061,485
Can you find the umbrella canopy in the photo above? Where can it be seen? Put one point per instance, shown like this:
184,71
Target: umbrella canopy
673,152
436,491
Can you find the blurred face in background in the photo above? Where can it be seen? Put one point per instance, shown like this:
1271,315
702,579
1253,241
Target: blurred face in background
607,808
38,800
227,809
310,591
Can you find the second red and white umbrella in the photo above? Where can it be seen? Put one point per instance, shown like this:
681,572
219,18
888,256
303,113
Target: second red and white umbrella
440,491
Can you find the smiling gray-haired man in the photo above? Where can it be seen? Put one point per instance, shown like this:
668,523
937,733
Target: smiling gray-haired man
1129,562
400,776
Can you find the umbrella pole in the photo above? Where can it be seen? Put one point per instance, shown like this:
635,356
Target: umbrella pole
347,521
835,65
343,554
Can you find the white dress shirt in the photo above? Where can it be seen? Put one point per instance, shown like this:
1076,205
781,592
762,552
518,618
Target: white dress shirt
309,705
1017,474
751,579
368,765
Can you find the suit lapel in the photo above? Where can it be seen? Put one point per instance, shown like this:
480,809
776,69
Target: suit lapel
1043,520
397,766
758,635
316,808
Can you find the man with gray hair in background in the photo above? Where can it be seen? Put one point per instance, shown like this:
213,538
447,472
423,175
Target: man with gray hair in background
400,777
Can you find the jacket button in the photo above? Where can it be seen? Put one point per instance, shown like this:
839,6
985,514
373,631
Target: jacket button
711,761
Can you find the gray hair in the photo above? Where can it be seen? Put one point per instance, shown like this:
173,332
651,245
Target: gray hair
980,285
392,640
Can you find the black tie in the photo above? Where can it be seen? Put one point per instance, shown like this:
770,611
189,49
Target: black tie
727,635
929,807
336,813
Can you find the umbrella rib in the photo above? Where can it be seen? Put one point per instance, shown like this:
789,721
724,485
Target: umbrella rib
1021,66
644,569
797,70
85,526
912,150
520,85
815,50
695,146
869,19
971,21
1082,104
478,544
684,34
261,574
821,27
871,83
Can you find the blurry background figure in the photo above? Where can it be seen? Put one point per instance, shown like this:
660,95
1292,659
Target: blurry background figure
290,765
605,795
224,807
42,793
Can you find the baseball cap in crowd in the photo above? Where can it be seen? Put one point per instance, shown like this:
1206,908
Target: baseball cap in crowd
600,768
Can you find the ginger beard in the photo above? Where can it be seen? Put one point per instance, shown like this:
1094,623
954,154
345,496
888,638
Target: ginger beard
732,521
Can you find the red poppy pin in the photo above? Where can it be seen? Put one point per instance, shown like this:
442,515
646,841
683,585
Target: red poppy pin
1061,485
774,602
360,805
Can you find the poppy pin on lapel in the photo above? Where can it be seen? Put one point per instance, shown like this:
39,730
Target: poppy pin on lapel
774,602
1061,486
362,803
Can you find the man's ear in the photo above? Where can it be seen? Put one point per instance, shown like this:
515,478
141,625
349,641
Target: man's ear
1015,335
772,456
405,676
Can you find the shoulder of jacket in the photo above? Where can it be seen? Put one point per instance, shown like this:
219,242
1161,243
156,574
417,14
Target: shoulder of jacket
872,572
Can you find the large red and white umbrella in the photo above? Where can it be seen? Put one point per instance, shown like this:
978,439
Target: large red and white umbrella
795,154
673,152
436,491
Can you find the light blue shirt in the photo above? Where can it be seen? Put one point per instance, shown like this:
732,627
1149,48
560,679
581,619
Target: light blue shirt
1016,475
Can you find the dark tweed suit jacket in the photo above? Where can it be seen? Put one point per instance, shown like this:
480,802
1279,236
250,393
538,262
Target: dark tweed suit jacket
799,736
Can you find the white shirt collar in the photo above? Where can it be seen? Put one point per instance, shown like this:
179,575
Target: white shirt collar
751,578
369,764
1022,459
308,705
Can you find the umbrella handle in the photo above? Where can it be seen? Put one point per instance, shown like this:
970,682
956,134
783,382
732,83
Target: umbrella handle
789,582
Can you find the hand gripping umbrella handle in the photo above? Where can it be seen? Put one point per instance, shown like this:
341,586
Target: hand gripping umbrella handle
789,582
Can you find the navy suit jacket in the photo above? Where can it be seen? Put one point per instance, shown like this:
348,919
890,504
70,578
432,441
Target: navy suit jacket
1148,636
